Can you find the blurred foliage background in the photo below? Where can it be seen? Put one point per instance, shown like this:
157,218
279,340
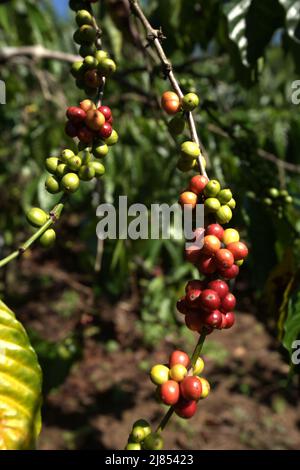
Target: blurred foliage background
241,57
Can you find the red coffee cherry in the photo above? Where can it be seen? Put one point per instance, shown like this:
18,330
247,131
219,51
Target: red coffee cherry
215,229
213,319
192,254
193,321
228,302
207,265
210,300
106,111
224,258
219,286
191,388
105,131
169,392
94,119
192,297
182,306
187,197
238,249
230,273
229,320
179,357
85,135
198,183
76,114
186,409
194,284
211,245
170,102
71,130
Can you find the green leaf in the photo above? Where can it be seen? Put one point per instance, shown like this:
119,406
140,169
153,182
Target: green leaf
235,13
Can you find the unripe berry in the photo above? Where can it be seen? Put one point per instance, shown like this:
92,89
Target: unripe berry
179,357
37,217
142,423
170,102
48,238
94,119
239,250
98,168
186,409
105,131
177,125
185,164
70,182
84,17
224,215
85,156
231,203
190,102
205,387
77,68
224,258
230,235
74,163
61,170
90,62
52,185
228,302
86,172
198,183
199,366
51,164
212,204
215,229
66,155
159,374
100,150
224,196
211,245
86,34
107,67
113,139
190,150
87,49
212,188
101,55
137,434
86,105
190,388
210,299
153,442
133,446
187,197
273,193
178,372
220,287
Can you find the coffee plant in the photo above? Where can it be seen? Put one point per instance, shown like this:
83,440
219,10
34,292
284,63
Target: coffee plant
216,253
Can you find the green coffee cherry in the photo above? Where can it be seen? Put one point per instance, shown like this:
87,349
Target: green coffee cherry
84,17
224,196
283,193
70,182
153,442
107,67
61,170
48,238
231,203
267,201
86,34
98,168
137,434
52,185
190,150
288,200
212,204
273,193
77,69
51,164
190,102
177,125
90,62
86,173
133,446
37,217
224,215
113,139
142,423
185,164
74,163
87,49
66,155
101,55
100,151
212,188
85,156
83,146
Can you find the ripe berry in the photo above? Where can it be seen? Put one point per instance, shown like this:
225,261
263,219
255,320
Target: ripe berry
153,442
169,392
212,188
190,388
211,245
76,114
210,299
85,135
192,254
94,119
230,273
86,172
199,366
159,374
192,298
213,319
70,182
230,235
190,150
224,258
92,79
86,105
106,111
220,287
228,302
177,125
205,387
212,204
224,215
52,185
37,217
71,130
170,102
98,168
194,284
215,229
48,238
229,320
193,321
207,265
51,164
113,139
178,372
239,250
105,131
224,196
190,102
198,183
186,409
187,197
179,357
182,305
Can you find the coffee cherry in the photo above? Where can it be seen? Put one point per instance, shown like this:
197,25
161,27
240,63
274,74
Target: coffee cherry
113,139
100,150
74,163
187,197
224,215
85,155
107,67
213,319
192,298
220,287
193,321
142,423
48,238
230,273
195,284
230,235
61,170
86,105
37,217
190,102
205,387
196,163
239,263
98,168
66,155
159,374
51,164
86,172
210,299
153,442
90,62
179,357
133,446
170,102
105,131
198,183
84,17
273,193
137,434
239,250
186,409
207,265
185,164
94,119
77,68
86,34
106,111
215,229
182,305
71,130
92,79
76,114
224,196
229,320
231,203
85,135
190,150
52,185
199,366
70,182
169,392
211,245
177,125
212,188
224,258
190,388
228,302
178,372
87,49
192,254
212,204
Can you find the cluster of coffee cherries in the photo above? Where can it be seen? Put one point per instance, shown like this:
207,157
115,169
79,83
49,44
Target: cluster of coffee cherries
142,437
278,200
37,218
91,125
217,201
179,385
